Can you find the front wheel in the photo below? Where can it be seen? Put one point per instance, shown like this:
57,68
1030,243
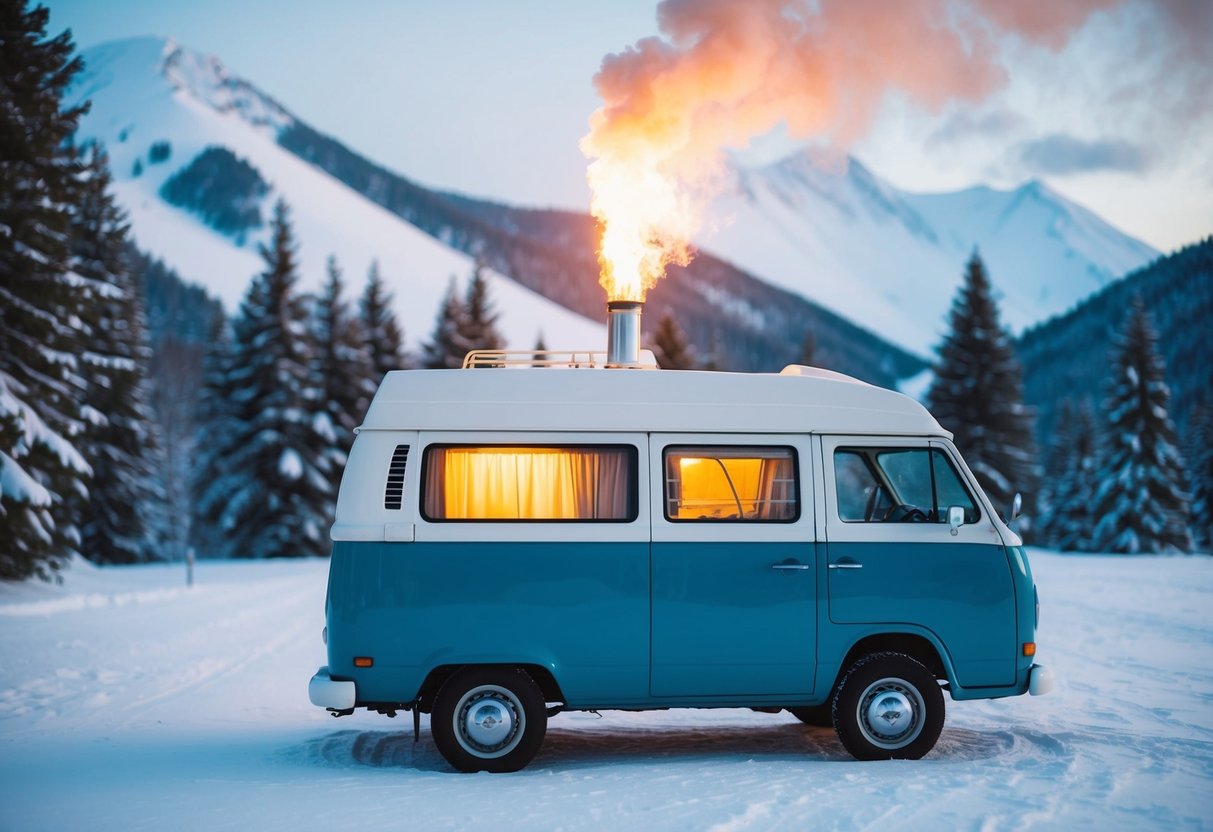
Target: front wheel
489,719
888,707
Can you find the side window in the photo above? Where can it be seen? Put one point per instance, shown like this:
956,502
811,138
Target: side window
856,486
907,485
584,483
724,484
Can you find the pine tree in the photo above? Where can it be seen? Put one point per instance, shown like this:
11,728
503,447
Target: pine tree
1072,518
1141,505
118,440
670,345
479,323
384,339
217,437
808,349
41,304
276,487
341,369
447,346
539,349
1200,468
977,393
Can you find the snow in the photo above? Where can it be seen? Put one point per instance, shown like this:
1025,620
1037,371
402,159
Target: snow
146,90
128,700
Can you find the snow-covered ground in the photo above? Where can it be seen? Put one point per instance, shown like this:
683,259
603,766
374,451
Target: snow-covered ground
128,701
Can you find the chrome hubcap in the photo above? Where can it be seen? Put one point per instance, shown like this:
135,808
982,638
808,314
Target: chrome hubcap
891,713
489,721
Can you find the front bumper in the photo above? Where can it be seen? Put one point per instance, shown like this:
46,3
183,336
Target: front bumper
1040,680
327,692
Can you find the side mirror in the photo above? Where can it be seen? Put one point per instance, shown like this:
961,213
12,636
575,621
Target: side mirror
1016,505
956,518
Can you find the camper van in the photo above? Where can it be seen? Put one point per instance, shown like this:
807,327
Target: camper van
511,543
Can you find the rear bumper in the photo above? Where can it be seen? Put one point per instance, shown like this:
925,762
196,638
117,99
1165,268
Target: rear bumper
326,692
1040,680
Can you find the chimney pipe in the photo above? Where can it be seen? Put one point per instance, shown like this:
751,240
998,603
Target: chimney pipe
623,333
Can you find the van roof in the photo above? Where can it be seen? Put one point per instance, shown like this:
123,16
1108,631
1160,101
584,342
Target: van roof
799,399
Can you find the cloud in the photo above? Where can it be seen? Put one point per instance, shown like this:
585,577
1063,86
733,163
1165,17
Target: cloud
964,124
1060,154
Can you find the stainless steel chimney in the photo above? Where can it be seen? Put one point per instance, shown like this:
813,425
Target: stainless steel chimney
623,333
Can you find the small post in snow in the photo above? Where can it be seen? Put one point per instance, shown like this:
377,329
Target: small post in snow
189,566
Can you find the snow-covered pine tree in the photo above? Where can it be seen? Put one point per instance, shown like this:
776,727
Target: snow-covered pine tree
218,431
977,393
1141,505
341,368
1072,517
670,345
277,489
118,438
447,346
384,339
1200,469
41,471
479,323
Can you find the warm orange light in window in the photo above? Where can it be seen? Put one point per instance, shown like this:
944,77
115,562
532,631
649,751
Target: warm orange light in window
521,483
718,488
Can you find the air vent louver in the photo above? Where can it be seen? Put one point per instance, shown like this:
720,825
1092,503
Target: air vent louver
394,492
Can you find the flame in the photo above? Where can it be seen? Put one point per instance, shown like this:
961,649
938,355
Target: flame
726,71
646,224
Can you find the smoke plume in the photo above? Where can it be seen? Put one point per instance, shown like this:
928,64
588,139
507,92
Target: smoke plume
725,71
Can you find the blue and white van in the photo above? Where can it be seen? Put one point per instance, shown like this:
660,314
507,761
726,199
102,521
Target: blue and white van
511,543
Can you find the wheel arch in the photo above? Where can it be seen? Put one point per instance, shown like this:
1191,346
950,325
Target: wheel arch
434,680
918,646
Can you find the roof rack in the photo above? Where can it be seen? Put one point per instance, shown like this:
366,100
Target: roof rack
546,358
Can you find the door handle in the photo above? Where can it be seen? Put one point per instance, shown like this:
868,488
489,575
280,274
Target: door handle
846,563
791,565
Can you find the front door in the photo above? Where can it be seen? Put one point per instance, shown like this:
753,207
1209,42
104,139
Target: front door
734,575
893,560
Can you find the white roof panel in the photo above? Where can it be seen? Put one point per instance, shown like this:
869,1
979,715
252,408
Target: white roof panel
798,400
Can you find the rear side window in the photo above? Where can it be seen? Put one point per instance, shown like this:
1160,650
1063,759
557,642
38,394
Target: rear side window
743,484
530,483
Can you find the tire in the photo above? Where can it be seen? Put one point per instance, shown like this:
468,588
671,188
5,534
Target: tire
888,707
819,716
489,719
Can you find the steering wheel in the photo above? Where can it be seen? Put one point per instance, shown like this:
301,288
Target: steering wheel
905,514
869,512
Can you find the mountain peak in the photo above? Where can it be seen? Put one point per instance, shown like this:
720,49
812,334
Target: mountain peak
207,79
144,65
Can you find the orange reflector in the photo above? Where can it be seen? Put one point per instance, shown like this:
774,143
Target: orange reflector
1029,648
367,661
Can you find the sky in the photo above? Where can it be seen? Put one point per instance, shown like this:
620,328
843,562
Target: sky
492,98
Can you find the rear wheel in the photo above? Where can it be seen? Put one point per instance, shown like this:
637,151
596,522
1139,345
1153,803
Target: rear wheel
888,707
489,719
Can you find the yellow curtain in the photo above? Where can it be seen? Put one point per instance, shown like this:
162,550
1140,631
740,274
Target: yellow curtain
527,483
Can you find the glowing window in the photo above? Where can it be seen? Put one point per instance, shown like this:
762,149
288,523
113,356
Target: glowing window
731,485
583,483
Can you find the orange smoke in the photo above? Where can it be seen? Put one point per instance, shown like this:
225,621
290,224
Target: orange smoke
726,71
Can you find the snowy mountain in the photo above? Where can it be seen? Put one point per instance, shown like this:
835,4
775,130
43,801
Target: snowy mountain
813,244
157,107
824,226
